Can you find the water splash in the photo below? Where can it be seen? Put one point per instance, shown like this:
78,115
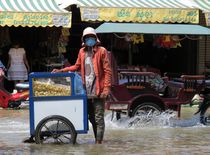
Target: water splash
165,119
194,121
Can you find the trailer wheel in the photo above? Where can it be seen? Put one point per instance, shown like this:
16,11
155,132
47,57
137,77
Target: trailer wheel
55,129
147,108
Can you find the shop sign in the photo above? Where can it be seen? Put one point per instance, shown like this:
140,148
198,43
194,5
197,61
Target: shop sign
34,19
140,15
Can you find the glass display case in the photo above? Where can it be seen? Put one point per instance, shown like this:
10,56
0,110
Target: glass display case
51,86
60,95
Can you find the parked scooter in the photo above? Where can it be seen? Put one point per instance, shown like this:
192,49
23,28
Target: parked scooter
13,100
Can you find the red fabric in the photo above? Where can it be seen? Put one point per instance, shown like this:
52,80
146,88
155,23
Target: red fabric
120,92
101,66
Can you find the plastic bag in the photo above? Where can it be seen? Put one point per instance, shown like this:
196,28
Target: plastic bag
78,85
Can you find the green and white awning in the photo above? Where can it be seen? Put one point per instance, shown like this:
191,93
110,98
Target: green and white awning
135,3
162,11
203,5
33,13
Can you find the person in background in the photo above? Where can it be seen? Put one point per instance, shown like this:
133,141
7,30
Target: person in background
2,69
18,66
94,65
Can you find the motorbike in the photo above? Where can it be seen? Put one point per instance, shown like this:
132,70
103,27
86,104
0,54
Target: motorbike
204,107
13,100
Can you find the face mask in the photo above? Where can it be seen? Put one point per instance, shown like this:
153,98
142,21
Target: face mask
90,41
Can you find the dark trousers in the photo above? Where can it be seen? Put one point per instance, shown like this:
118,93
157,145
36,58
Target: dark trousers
96,117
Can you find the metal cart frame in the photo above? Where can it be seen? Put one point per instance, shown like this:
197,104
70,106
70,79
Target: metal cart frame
69,111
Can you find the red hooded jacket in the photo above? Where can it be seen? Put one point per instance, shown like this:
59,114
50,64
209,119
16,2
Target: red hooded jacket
101,67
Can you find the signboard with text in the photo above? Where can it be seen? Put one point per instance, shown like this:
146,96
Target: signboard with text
140,15
34,19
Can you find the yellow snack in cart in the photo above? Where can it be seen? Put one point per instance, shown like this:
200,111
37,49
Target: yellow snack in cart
46,89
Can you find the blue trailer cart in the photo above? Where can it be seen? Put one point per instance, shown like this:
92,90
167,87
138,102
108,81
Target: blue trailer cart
58,107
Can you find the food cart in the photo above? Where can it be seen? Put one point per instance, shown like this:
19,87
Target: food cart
58,109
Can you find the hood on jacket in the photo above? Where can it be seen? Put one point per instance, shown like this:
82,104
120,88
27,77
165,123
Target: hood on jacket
89,31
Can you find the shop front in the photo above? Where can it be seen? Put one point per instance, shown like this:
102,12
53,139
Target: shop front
204,54
167,37
139,48
41,27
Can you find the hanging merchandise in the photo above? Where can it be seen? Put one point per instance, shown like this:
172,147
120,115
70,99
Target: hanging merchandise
63,40
65,32
130,38
137,38
167,41
176,40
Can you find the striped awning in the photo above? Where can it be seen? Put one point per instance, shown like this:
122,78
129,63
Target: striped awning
33,13
162,11
203,5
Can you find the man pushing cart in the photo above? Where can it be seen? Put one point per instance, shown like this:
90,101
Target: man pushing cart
93,62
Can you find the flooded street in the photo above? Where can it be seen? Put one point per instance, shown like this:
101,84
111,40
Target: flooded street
164,137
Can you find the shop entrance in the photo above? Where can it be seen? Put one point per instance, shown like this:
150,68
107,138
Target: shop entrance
46,47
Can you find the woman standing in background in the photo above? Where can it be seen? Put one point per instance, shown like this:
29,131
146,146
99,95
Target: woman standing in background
18,66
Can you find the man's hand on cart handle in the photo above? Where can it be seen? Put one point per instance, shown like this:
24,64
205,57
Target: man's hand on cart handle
57,70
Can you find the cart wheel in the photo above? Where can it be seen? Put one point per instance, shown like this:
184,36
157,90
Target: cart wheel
55,129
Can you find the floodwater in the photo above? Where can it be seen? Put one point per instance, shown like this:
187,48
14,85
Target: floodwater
165,135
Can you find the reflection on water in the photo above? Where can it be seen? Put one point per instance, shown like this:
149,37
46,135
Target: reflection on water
165,135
